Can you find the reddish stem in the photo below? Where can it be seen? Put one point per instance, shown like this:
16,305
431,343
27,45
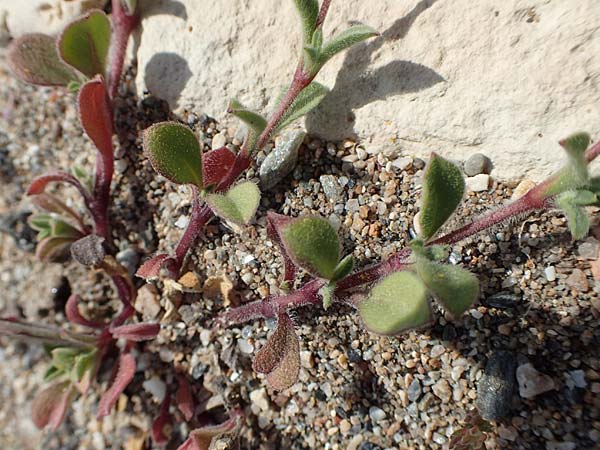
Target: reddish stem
123,24
322,13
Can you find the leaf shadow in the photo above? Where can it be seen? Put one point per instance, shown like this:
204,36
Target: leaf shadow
165,66
356,85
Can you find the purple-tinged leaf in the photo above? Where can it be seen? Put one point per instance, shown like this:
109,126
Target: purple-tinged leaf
50,405
136,332
123,377
51,203
275,223
39,184
34,59
151,268
84,43
279,359
95,115
162,425
202,438
216,164
184,397
89,250
53,248
74,316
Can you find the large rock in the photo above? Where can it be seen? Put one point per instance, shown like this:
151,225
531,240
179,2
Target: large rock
40,16
507,79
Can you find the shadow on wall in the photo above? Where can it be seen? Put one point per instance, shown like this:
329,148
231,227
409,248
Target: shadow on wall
356,86
167,66
171,7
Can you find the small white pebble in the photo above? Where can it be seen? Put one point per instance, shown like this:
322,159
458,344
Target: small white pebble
550,273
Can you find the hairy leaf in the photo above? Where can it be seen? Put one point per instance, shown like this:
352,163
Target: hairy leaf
397,303
254,120
570,202
312,244
49,406
309,12
343,269
202,438
73,314
279,359
238,204
151,268
174,152
84,43
215,165
443,188
275,224
344,40
326,293
95,114
123,377
136,332
455,288
308,99
34,59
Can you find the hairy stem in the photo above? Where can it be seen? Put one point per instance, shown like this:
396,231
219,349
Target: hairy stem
123,24
322,13
99,205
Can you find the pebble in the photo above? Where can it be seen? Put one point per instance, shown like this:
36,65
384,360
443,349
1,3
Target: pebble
281,160
578,281
437,351
245,346
414,390
553,445
477,164
589,249
182,222
502,300
259,398
355,442
550,273
478,183
331,187
147,302
345,426
156,387
129,258
403,163
531,382
376,414
496,386
442,390
578,378
219,140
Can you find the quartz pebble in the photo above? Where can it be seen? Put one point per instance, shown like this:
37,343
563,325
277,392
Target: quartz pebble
531,382
478,183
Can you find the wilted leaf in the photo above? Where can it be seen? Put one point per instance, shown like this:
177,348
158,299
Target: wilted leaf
312,244
343,268
397,303
53,248
238,204
39,184
174,152
151,268
123,377
279,359
51,203
443,188
307,100
73,314
344,40
309,12
216,164
34,59
95,114
49,406
84,43
455,288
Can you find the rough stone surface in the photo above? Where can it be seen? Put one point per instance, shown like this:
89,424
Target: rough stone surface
41,16
531,382
478,183
476,164
281,160
488,85
495,389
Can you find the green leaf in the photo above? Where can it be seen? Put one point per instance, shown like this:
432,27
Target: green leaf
344,40
255,121
73,87
307,100
63,358
575,174
83,362
52,373
174,152
344,267
34,59
238,204
313,244
443,189
454,287
309,12
326,293
317,39
397,303
579,222
84,43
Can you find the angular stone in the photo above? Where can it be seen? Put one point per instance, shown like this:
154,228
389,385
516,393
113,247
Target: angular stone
281,160
495,388
531,382
478,183
477,164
